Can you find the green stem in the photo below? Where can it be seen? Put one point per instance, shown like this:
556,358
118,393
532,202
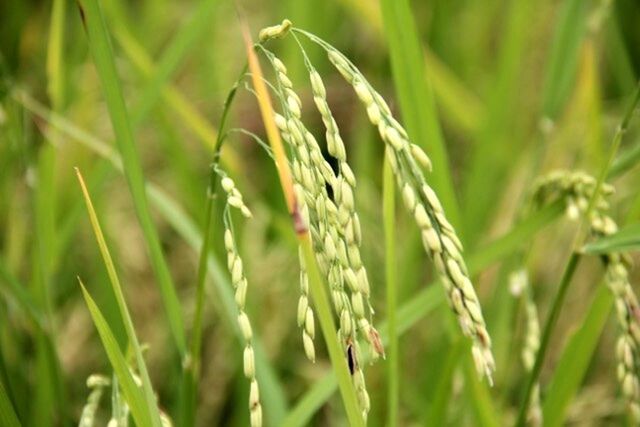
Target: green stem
193,368
388,202
325,317
546,336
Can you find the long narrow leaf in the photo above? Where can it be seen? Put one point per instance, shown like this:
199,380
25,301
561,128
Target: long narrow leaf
122,306
416,98
100,45
8,417
569,370
132,392
626,239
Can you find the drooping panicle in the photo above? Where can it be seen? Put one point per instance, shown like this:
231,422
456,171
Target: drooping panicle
439,237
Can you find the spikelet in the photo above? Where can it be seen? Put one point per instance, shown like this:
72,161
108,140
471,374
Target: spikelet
239,282
344,187
275,32
305,313
97,384
439,237
311,174
519,287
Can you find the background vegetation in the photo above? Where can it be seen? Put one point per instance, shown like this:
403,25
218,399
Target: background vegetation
497,92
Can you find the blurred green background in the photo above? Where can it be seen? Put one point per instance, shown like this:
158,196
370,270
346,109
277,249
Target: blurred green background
520,88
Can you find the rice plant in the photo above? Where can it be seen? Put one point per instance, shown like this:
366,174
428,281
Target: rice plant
319,213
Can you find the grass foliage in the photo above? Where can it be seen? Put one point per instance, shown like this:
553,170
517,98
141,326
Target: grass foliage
116,116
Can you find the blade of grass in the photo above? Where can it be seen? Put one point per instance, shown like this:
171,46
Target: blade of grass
142,414
8,417
316,283
563,58
416,97
18,293
575,359
100,46
461,106
122,305
50,396
393,358
173,56
55,70
495,149
626,239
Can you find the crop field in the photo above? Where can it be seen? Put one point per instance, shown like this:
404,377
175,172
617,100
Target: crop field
319,213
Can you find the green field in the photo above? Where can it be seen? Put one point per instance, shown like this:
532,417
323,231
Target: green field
327,213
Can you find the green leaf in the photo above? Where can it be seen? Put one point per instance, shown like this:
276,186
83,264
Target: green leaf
122,306
184,41
100,45
563,60
134,395
391,275
573,364
626,239
416,97
8,417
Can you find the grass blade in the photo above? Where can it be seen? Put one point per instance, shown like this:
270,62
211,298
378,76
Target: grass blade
627,239
172,58
459,105
142,414
8,417
122,306
17,292
416,98
570,369
563,60
100,45
393,379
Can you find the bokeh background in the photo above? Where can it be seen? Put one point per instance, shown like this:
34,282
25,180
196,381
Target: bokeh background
521,88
